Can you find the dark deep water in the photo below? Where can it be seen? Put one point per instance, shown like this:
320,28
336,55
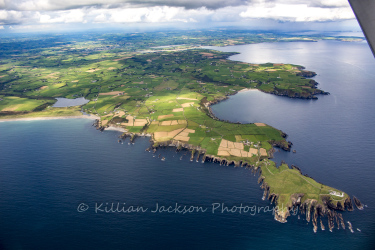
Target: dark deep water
48,168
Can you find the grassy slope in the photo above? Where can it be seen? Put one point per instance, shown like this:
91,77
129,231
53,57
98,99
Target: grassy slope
53,112
285,182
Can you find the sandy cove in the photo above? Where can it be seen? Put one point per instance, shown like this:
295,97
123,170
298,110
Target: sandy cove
246,90
116,129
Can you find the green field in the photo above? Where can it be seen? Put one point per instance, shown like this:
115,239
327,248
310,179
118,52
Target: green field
50,112
18,104
285,182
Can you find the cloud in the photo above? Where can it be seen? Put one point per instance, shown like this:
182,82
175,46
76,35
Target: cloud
153,14
329,3
149,15
70,16
299,12
45,5
9,17
1,27
310,3
206,12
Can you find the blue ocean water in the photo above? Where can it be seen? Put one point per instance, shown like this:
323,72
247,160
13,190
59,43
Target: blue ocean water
51,169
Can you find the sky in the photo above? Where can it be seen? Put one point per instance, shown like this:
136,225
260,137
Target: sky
285,15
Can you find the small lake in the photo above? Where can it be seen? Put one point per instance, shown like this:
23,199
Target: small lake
65,102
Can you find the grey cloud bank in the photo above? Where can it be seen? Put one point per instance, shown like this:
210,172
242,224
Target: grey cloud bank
44,13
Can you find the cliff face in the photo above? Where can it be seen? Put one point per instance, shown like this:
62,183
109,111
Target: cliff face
281,215
292,94
358,203
284,145
312,208
97,125
309,91
306,73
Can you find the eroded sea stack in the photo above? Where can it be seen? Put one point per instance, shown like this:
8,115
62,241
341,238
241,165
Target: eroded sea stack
358,203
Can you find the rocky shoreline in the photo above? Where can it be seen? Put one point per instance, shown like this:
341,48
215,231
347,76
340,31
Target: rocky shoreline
306,74
297,95
310,207
358,203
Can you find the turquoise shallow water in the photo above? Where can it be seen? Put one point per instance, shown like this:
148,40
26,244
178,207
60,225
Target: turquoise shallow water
49,168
